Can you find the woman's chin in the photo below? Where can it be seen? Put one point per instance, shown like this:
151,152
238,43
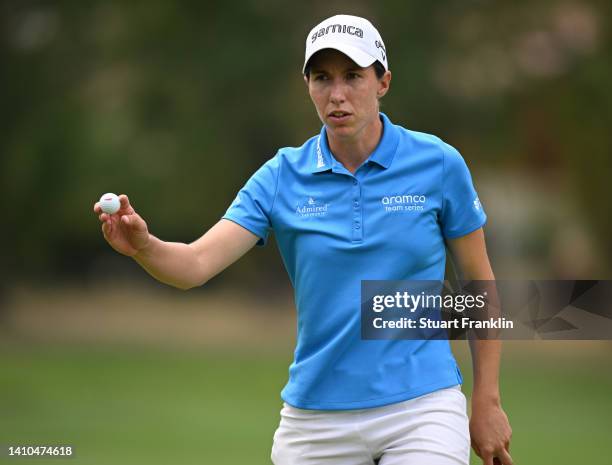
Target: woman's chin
342,130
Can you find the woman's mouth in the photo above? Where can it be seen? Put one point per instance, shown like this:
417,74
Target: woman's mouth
338,116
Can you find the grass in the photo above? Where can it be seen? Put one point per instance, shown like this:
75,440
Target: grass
122,405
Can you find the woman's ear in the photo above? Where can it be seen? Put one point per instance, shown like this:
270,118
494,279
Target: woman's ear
384,84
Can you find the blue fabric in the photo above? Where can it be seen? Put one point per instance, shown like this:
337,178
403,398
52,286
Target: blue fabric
388,221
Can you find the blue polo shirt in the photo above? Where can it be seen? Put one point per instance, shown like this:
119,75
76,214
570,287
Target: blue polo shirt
388,221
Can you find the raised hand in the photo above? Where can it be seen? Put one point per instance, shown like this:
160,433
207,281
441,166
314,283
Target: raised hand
125,231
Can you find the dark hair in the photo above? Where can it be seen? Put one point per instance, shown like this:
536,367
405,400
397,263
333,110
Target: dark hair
379,69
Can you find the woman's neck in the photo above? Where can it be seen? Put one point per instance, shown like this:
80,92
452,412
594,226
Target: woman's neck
353,151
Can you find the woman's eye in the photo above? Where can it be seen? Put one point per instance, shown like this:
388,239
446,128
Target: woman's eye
320,77
352,75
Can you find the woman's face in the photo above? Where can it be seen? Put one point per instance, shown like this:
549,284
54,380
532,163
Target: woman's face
345,95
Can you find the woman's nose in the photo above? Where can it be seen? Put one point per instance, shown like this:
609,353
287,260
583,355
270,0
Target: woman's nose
338,93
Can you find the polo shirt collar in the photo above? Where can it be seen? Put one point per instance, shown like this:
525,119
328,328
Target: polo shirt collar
383,153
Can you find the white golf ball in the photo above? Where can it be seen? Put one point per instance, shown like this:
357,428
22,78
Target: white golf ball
109,203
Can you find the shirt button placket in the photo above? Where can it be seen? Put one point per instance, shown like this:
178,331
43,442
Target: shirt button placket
357,227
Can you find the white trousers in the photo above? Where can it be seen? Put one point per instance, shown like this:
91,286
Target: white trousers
428,430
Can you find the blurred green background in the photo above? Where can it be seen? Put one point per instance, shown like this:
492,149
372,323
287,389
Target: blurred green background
176,104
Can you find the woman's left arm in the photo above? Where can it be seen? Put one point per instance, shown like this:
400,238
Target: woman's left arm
489,427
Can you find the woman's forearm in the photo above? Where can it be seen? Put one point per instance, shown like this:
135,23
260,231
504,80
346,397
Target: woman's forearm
172,263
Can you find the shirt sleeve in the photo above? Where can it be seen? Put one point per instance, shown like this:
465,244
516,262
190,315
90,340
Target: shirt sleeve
462,212
252,207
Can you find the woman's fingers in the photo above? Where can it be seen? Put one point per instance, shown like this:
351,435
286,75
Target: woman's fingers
125,206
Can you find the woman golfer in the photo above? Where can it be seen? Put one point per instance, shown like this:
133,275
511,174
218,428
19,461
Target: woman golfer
363,200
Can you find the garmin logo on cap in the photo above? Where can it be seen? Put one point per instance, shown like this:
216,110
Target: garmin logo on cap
337,28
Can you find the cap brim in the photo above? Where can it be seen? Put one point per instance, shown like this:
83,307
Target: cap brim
357,55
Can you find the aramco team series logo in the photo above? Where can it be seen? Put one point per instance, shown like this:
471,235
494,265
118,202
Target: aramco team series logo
404,203
311,207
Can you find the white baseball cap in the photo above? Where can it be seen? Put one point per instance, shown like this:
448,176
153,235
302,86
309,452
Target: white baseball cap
354,36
